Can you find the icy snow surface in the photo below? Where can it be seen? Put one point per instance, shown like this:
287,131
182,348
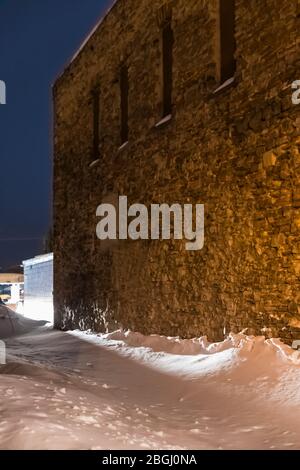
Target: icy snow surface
129,391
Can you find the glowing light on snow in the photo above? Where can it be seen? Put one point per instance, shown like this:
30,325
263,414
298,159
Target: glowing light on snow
37,310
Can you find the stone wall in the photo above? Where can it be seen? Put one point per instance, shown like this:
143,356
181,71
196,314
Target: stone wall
236,151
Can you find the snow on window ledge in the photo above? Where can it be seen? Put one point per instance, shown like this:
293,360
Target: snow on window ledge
123,145
225,84
94,162
164,120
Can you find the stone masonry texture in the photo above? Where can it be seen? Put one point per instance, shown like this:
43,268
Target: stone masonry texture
236,151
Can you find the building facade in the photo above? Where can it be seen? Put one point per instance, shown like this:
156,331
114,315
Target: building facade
182,102
38,287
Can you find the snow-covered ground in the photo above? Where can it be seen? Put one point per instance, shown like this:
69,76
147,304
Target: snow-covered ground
127,391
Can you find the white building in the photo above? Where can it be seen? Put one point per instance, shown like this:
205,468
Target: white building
38,287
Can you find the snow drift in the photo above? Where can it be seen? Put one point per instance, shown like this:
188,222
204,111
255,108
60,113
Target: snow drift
13,324
125,390
270,366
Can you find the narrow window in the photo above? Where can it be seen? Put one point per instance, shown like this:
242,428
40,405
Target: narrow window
227,39
96,123
124,89
167,68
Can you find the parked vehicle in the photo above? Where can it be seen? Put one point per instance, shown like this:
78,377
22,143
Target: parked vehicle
11,293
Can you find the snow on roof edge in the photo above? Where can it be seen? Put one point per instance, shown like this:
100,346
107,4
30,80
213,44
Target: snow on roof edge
38,259
86,40
94,29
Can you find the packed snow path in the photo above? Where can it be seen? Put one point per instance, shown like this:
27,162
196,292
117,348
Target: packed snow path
77,391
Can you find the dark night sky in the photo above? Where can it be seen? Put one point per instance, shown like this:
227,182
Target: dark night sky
37,38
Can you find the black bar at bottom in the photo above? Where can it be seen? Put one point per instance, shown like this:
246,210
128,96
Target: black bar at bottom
138,459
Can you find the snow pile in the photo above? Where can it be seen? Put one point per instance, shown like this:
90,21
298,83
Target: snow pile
239,347
124,390
172,345
13,324
176,345
270,366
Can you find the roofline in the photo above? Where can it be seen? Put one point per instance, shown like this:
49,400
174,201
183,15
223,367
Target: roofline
38,259
85,42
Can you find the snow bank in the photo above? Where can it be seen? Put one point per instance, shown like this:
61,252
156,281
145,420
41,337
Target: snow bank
240,343
13,324
269,366
172,345
128,391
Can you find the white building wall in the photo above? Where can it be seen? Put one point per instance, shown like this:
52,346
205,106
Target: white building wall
38,287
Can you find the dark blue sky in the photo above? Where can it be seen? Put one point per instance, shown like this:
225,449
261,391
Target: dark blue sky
37,38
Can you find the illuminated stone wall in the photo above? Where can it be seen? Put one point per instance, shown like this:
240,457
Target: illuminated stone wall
236,151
